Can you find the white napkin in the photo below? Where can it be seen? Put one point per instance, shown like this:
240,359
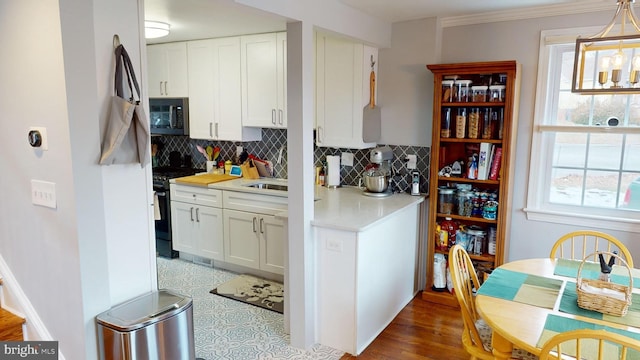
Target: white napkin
156,207
615,294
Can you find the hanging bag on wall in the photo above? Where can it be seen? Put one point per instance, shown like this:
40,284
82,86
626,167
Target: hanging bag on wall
126,140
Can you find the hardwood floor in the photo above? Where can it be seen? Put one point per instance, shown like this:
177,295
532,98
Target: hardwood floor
422,330
10,326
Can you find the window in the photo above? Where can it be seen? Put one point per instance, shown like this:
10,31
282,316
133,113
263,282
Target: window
583,171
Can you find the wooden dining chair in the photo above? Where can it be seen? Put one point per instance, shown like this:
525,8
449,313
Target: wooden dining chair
590,344
578,244
476,335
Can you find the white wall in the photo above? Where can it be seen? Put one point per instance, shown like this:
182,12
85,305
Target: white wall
72,262
519,40
406,85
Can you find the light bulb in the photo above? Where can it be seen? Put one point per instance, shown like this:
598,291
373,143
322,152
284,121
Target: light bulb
618,60
605,63
635,67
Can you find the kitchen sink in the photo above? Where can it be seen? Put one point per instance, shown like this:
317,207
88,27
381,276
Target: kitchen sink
268,186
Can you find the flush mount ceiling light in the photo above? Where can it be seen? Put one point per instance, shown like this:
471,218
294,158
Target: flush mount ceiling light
609,64
155,29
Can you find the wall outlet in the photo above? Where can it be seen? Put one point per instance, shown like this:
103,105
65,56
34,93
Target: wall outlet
412,162
43,193
239,150
346,159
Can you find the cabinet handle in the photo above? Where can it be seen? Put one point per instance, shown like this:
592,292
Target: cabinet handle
261,226
192,213
254,224
198,214
161,93
210,129
217,130
273,116
280,116
165,88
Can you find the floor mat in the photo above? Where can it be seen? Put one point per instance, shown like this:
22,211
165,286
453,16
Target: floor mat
252,290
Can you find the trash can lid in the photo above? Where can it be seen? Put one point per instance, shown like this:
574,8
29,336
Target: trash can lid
144,310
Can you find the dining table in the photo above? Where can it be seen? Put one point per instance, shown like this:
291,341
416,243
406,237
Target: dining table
528,301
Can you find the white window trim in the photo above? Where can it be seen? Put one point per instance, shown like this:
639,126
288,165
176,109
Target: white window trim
535,209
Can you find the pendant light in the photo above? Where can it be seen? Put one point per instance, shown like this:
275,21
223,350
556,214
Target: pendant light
609,63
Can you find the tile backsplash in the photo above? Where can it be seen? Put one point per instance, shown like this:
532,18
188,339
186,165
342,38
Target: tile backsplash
274,142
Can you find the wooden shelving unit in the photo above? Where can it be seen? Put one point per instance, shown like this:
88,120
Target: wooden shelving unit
449,149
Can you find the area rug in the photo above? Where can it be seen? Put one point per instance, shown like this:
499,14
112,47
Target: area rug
252,290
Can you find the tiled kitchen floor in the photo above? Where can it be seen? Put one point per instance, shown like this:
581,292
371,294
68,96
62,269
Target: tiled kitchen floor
229,329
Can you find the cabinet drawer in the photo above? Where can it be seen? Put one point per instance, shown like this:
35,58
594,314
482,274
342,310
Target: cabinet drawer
261,204
196,195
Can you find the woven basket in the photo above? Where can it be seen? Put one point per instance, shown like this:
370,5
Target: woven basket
600,302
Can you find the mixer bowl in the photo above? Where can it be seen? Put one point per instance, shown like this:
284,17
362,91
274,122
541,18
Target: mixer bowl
376,183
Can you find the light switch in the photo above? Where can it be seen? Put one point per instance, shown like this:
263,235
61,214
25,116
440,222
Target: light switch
43,193
346,159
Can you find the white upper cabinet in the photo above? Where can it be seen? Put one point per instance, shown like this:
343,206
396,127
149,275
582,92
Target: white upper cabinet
264,80
215,105
342,91
167,70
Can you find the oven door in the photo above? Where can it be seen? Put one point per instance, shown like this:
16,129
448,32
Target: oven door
164,246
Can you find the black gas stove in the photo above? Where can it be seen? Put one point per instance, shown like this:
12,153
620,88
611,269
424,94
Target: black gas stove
162,175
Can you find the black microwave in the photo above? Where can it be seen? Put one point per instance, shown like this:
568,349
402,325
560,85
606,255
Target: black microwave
169,116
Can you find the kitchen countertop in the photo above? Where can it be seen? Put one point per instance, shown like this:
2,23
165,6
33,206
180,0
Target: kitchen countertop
343,208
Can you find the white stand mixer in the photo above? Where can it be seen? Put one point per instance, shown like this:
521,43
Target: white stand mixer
377,175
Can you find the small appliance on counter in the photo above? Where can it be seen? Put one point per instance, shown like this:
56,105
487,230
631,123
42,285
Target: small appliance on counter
377,174
415,182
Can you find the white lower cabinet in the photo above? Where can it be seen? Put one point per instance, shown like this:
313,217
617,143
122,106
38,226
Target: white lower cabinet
254,240
196,228
253,236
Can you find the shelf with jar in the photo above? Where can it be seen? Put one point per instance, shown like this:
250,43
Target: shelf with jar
474,122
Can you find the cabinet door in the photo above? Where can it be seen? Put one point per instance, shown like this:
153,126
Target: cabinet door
177,79
201,78
156,65
340,99
167,69
281,59
209,234
272,235
259,80
227,89
241,238
182,218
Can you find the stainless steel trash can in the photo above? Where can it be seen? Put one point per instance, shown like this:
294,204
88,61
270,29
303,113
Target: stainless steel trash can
158,325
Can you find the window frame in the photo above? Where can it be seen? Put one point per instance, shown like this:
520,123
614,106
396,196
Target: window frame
537,208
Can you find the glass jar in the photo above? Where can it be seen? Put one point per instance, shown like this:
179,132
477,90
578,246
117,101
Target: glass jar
496,93
445,126
464,202
445,200
490,210
500,123
463,90
487,124
474,123
448,91
461,123
479,93
476,237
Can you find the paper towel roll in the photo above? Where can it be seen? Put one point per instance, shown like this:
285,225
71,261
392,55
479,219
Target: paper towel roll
333,170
